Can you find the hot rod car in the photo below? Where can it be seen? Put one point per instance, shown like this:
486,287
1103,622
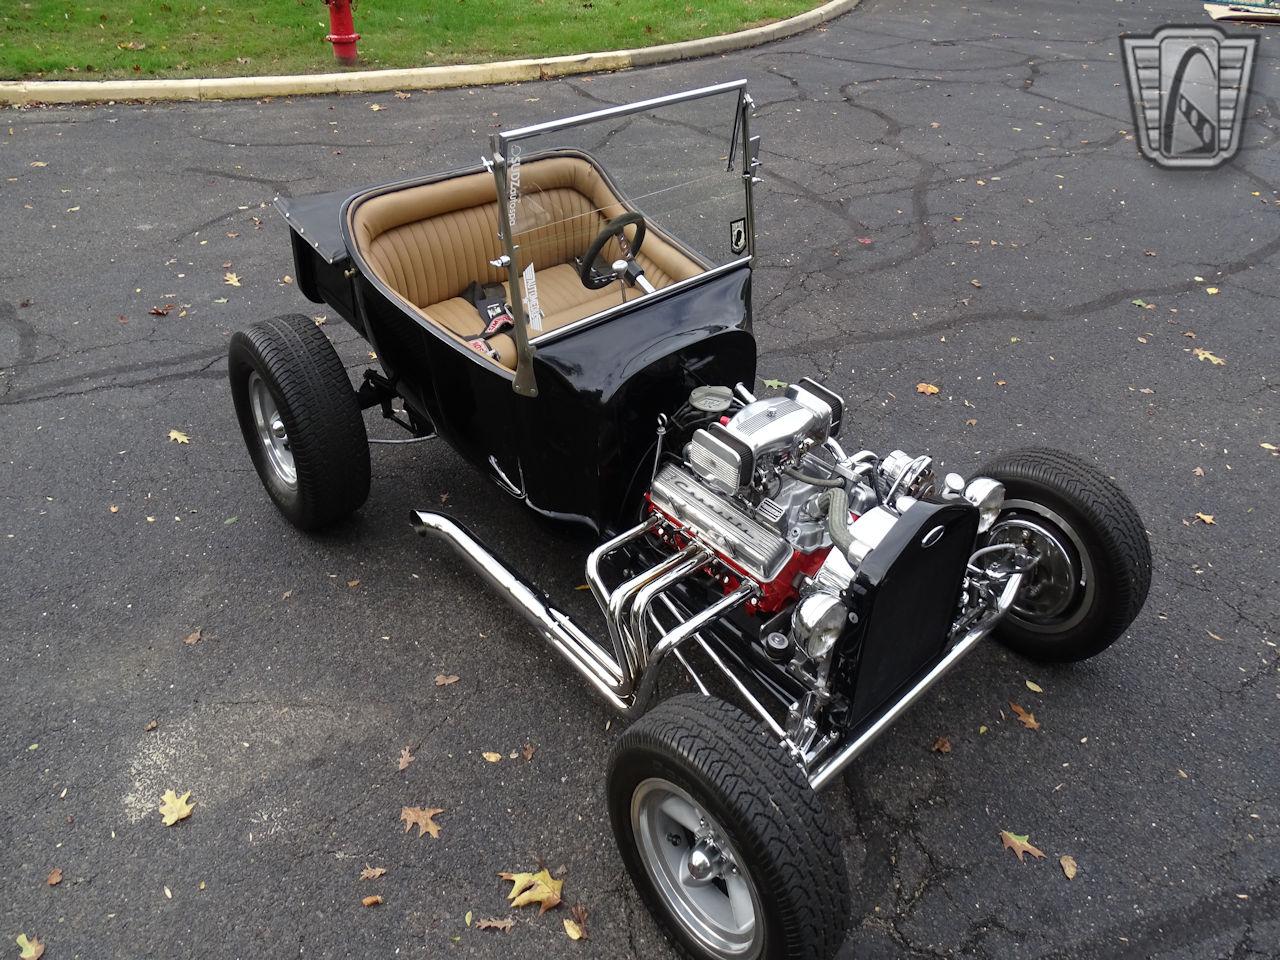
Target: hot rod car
573,315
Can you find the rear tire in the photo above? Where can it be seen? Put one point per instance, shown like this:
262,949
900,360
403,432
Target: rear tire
1095,567
300,419
696,760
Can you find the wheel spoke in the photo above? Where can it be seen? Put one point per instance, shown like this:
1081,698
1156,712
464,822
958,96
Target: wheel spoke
682,812
744,914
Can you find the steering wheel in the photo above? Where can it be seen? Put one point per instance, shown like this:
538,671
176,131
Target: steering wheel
592,278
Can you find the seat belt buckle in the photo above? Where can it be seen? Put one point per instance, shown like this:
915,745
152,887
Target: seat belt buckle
481,346
500,319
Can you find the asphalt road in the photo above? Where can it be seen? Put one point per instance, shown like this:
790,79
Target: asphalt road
969,141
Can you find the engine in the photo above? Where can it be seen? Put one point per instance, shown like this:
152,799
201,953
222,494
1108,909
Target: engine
764,485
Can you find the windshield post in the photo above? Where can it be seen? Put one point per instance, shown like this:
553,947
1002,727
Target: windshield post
750,164
508,195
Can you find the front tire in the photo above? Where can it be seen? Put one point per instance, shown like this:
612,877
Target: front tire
1094,558
300,419
723,837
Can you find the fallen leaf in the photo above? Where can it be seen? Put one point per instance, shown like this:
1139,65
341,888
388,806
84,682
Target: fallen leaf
1068,866
174,808
406,758
113,508
531,888
168,894
286,279
1148,253
371,901
942,745
132,45
493,923
1034,687
1198,471
161,311
467,918
1211,290
572,930
1026,716
423,818
976,283
32,949
1139,302
444,679
151,725
928,389
38,163
527,751
1001,383
491,756
773,384
1019,844
55,877
401,95
1269,446
1189,334
865,241
177,436
372,873
1203,354
191,639
231,279
375,107
1206,519
353,584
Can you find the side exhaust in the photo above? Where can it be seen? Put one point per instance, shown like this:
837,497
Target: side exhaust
614,674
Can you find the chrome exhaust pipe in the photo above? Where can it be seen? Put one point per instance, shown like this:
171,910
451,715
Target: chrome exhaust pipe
610,677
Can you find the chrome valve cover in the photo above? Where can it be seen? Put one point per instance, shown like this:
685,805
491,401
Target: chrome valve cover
720,523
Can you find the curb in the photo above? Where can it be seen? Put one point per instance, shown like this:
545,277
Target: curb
19,92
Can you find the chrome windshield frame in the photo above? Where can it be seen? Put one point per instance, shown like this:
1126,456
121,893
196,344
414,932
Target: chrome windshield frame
504,153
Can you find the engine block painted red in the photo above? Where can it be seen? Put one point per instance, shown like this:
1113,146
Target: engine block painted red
776,593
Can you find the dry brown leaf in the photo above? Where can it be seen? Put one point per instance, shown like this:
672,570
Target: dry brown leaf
372,873
531,888
375,107
493,923
1026,716
231,279
1206,519
1212,635
1020,844
32,949
55,877
353,584
191,639
1069,867
976,283
1203,354
928,389
177,436
161,311
527,751
406,758
444,679
1001,383
423,818
971,422
942,745
1198,471
151,725
174,808
371,901
572,930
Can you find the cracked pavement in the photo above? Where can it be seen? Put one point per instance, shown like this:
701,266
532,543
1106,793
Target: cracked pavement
969,141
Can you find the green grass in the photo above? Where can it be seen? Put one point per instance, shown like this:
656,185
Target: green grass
62,39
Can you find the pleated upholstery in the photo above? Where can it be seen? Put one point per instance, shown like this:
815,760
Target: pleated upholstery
428,243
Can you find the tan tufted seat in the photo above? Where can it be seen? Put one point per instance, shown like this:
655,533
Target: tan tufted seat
429,242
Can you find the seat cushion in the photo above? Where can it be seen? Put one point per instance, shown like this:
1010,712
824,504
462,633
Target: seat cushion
561,295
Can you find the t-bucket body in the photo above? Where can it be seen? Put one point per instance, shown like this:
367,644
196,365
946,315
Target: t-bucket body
560,409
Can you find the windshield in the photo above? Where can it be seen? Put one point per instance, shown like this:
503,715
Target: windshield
603,209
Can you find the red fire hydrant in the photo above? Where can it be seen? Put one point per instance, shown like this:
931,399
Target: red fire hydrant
342,31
